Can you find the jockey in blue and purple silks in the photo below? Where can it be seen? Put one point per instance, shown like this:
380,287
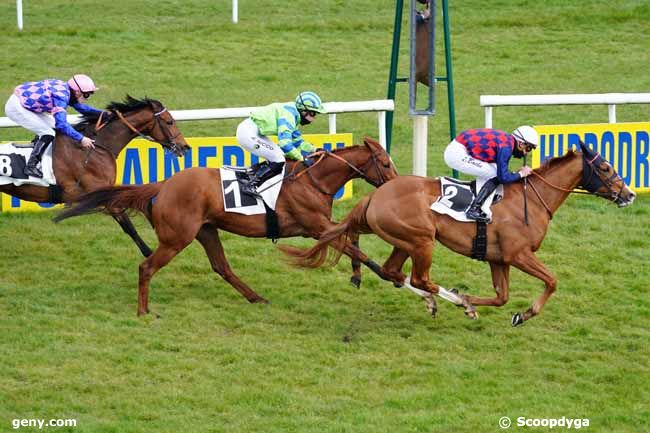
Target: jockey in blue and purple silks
40,106
486,153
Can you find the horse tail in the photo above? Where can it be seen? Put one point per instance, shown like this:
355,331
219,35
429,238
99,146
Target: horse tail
336,238
113,200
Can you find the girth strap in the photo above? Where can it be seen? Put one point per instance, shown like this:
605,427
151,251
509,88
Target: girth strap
479,243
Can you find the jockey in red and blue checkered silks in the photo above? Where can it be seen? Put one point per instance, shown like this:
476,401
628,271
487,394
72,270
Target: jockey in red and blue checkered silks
485,153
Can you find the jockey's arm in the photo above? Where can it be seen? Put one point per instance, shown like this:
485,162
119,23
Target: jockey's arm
85,109
61,125
503,172
290,139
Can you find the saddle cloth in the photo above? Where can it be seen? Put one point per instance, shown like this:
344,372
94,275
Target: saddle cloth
456,196
13,158
235,201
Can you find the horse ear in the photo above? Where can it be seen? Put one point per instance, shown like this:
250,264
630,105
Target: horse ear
371,143
368,141
583,146
586,150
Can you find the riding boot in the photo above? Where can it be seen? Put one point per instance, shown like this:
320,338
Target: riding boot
264,173
474,211
31,169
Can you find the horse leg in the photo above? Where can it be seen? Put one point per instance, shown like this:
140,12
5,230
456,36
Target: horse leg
356,263
208,236
421,256
125,222
392,267
530,264
161,257
500,281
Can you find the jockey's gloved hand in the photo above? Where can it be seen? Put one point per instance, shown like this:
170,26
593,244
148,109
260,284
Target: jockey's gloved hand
307,161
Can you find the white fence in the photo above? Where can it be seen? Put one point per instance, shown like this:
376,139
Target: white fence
609,99
333,108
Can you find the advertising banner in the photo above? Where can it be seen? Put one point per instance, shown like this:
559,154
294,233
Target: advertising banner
143,161
625,145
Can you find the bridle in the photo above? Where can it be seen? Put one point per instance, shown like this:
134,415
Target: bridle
590,167
361,172
169,142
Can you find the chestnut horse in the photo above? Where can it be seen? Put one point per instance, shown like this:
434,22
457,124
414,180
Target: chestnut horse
189,206
399,212
78,170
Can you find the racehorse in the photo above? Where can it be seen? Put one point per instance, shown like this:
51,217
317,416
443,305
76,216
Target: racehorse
399,212
77,170
189,206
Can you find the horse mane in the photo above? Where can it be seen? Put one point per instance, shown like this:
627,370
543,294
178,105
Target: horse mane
130,104
551,163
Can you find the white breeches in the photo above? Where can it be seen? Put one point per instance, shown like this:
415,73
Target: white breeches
39,123
249,137
456,157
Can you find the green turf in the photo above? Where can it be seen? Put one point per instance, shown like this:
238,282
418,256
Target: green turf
324,356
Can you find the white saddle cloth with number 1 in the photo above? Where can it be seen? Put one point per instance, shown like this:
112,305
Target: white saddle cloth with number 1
13,159
235,201
456,196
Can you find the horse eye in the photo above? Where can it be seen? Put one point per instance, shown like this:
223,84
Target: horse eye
170,122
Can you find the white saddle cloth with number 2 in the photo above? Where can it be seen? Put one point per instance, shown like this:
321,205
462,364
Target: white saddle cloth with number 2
456,196
13,159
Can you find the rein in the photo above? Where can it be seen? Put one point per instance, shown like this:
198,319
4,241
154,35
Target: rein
607,183
352,166
169,141
321,155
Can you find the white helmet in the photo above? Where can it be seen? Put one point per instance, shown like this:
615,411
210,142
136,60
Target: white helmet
526,134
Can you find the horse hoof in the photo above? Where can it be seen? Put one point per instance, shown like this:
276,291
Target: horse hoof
472,314
356,281
517,319
454,291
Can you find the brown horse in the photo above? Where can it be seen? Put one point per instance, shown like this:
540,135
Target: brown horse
399,212
189,206
78,170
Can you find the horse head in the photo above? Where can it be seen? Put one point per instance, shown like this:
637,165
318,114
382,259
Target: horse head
379,167
150,120
600,178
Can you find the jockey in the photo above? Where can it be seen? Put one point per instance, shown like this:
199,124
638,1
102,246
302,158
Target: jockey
282,119
40,107
486,153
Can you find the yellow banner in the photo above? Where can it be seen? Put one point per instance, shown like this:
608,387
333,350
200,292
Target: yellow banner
145,162
625,145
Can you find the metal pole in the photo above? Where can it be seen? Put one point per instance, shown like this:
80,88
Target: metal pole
19,14
392,74
450,75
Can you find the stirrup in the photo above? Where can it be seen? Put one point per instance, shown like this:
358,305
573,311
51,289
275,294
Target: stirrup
477,215
248,189
33,172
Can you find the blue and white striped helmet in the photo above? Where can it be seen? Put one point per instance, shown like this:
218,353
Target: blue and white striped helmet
309,101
